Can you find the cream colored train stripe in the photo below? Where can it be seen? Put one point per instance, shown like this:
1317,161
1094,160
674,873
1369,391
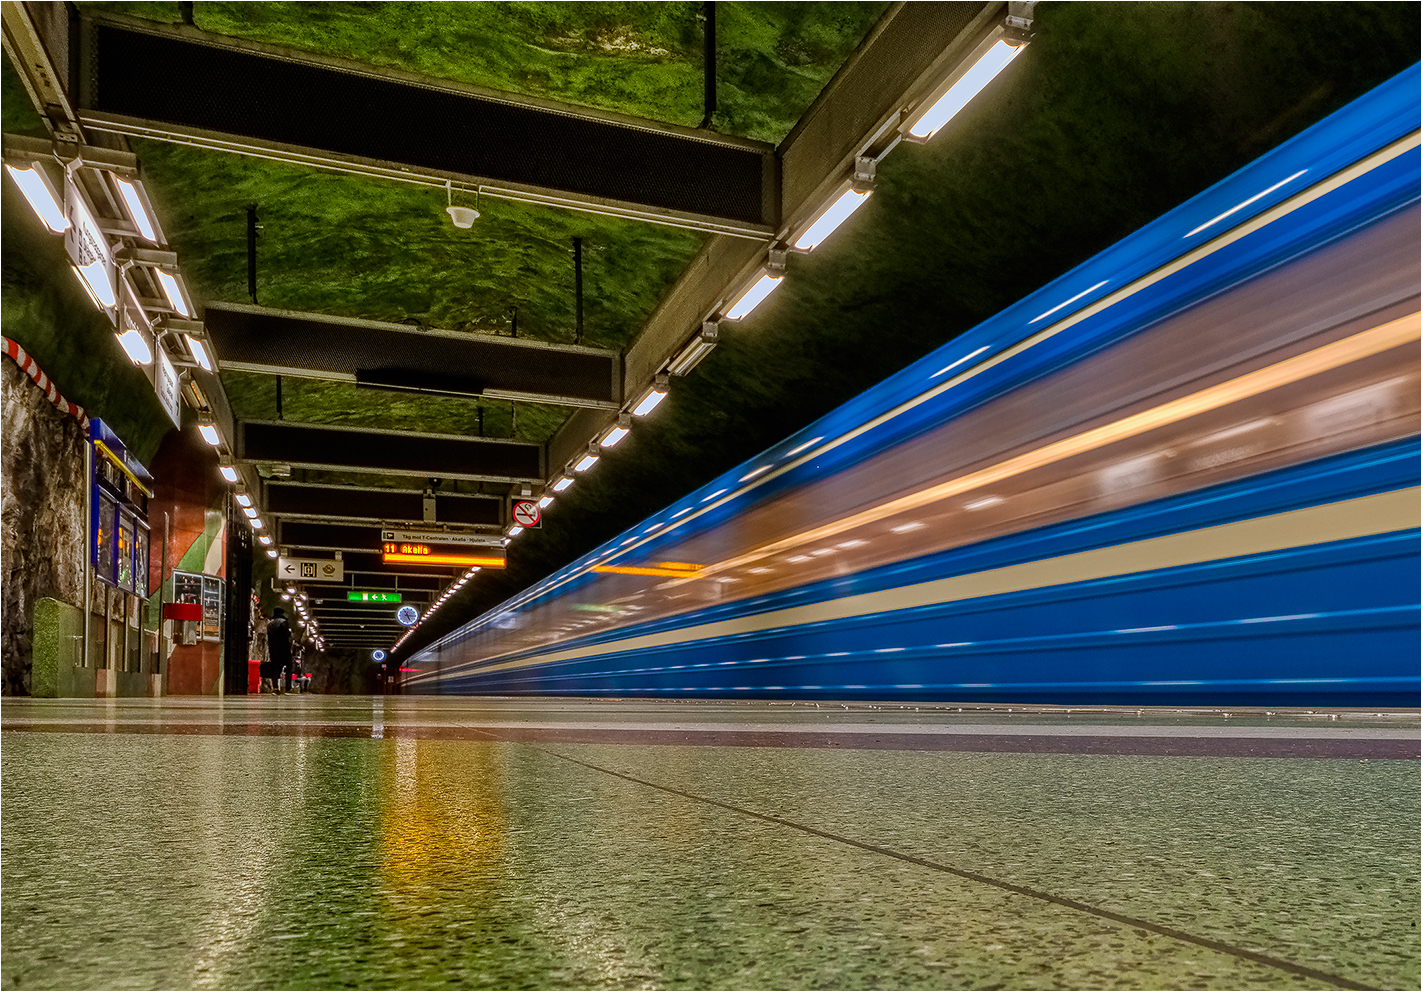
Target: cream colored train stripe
1379,513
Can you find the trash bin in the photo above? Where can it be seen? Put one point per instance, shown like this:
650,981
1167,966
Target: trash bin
254,675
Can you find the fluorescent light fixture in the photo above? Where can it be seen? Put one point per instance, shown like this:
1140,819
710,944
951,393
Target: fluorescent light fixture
516,529
200,354
752,298
257,524
835,215
695,350
173,292
589,459
616,433
563,484
251,512
229,473
271,553
243,500
136,210
964,89
286,596
85,283
209,433
137,348
545,500
95,277
655,394
44,199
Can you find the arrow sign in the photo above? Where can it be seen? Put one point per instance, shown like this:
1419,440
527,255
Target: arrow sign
319,570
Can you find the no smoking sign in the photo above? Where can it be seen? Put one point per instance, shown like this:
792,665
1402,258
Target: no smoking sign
526,513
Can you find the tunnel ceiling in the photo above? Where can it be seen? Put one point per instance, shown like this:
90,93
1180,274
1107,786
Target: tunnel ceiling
1117,113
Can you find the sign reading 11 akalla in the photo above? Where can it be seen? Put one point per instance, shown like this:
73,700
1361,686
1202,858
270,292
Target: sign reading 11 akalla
441,548
365,597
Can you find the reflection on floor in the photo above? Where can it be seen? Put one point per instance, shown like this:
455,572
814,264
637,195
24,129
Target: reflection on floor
452,843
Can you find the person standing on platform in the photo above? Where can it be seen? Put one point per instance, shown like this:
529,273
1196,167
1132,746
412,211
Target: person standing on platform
279,651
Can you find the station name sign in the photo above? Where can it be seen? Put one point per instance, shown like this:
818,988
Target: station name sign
441,548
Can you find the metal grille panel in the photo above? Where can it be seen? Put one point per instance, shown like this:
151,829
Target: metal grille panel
249,94
385,451
314,345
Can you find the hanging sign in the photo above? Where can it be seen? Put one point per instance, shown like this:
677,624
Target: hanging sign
526,513
363,596
441,548
88,249
320,570
165,382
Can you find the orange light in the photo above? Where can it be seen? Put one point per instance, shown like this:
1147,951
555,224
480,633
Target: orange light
637,570
391,558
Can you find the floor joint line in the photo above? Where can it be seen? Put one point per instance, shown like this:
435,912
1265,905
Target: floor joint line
1135,922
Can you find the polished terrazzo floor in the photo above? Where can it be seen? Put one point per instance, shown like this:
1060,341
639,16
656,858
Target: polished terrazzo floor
308,842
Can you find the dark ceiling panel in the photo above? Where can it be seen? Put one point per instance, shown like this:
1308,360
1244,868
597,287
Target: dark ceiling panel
373,580
258,98
290,499
396,357
361,449
307,534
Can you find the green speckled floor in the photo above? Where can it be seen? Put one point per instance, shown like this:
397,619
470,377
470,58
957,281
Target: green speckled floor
301,860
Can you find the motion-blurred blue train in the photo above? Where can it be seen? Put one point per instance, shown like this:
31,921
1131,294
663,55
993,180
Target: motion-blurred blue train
1186,472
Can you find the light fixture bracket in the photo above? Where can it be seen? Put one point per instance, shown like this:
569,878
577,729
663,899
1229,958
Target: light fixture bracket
863,178
1018,24
776,259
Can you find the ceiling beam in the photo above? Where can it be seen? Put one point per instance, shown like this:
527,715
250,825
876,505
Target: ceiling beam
326,446
325,502
359,545
858,115
292,105
399,357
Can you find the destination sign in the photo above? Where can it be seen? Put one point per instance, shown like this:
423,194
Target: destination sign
361,596
442,538
441,548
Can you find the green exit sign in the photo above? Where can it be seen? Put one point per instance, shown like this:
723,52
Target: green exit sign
372,597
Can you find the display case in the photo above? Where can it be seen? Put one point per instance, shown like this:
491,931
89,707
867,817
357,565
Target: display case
118,523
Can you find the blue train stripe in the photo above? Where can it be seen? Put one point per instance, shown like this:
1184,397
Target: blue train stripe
1377,514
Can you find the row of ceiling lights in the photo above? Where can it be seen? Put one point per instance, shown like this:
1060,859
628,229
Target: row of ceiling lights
73,215
309,624
942,104
107,269
939,107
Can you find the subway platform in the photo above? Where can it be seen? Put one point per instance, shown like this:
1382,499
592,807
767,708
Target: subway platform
427,843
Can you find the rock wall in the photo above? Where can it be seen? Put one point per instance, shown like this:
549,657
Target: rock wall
42,525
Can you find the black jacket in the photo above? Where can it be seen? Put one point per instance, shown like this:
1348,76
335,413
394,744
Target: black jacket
279,642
